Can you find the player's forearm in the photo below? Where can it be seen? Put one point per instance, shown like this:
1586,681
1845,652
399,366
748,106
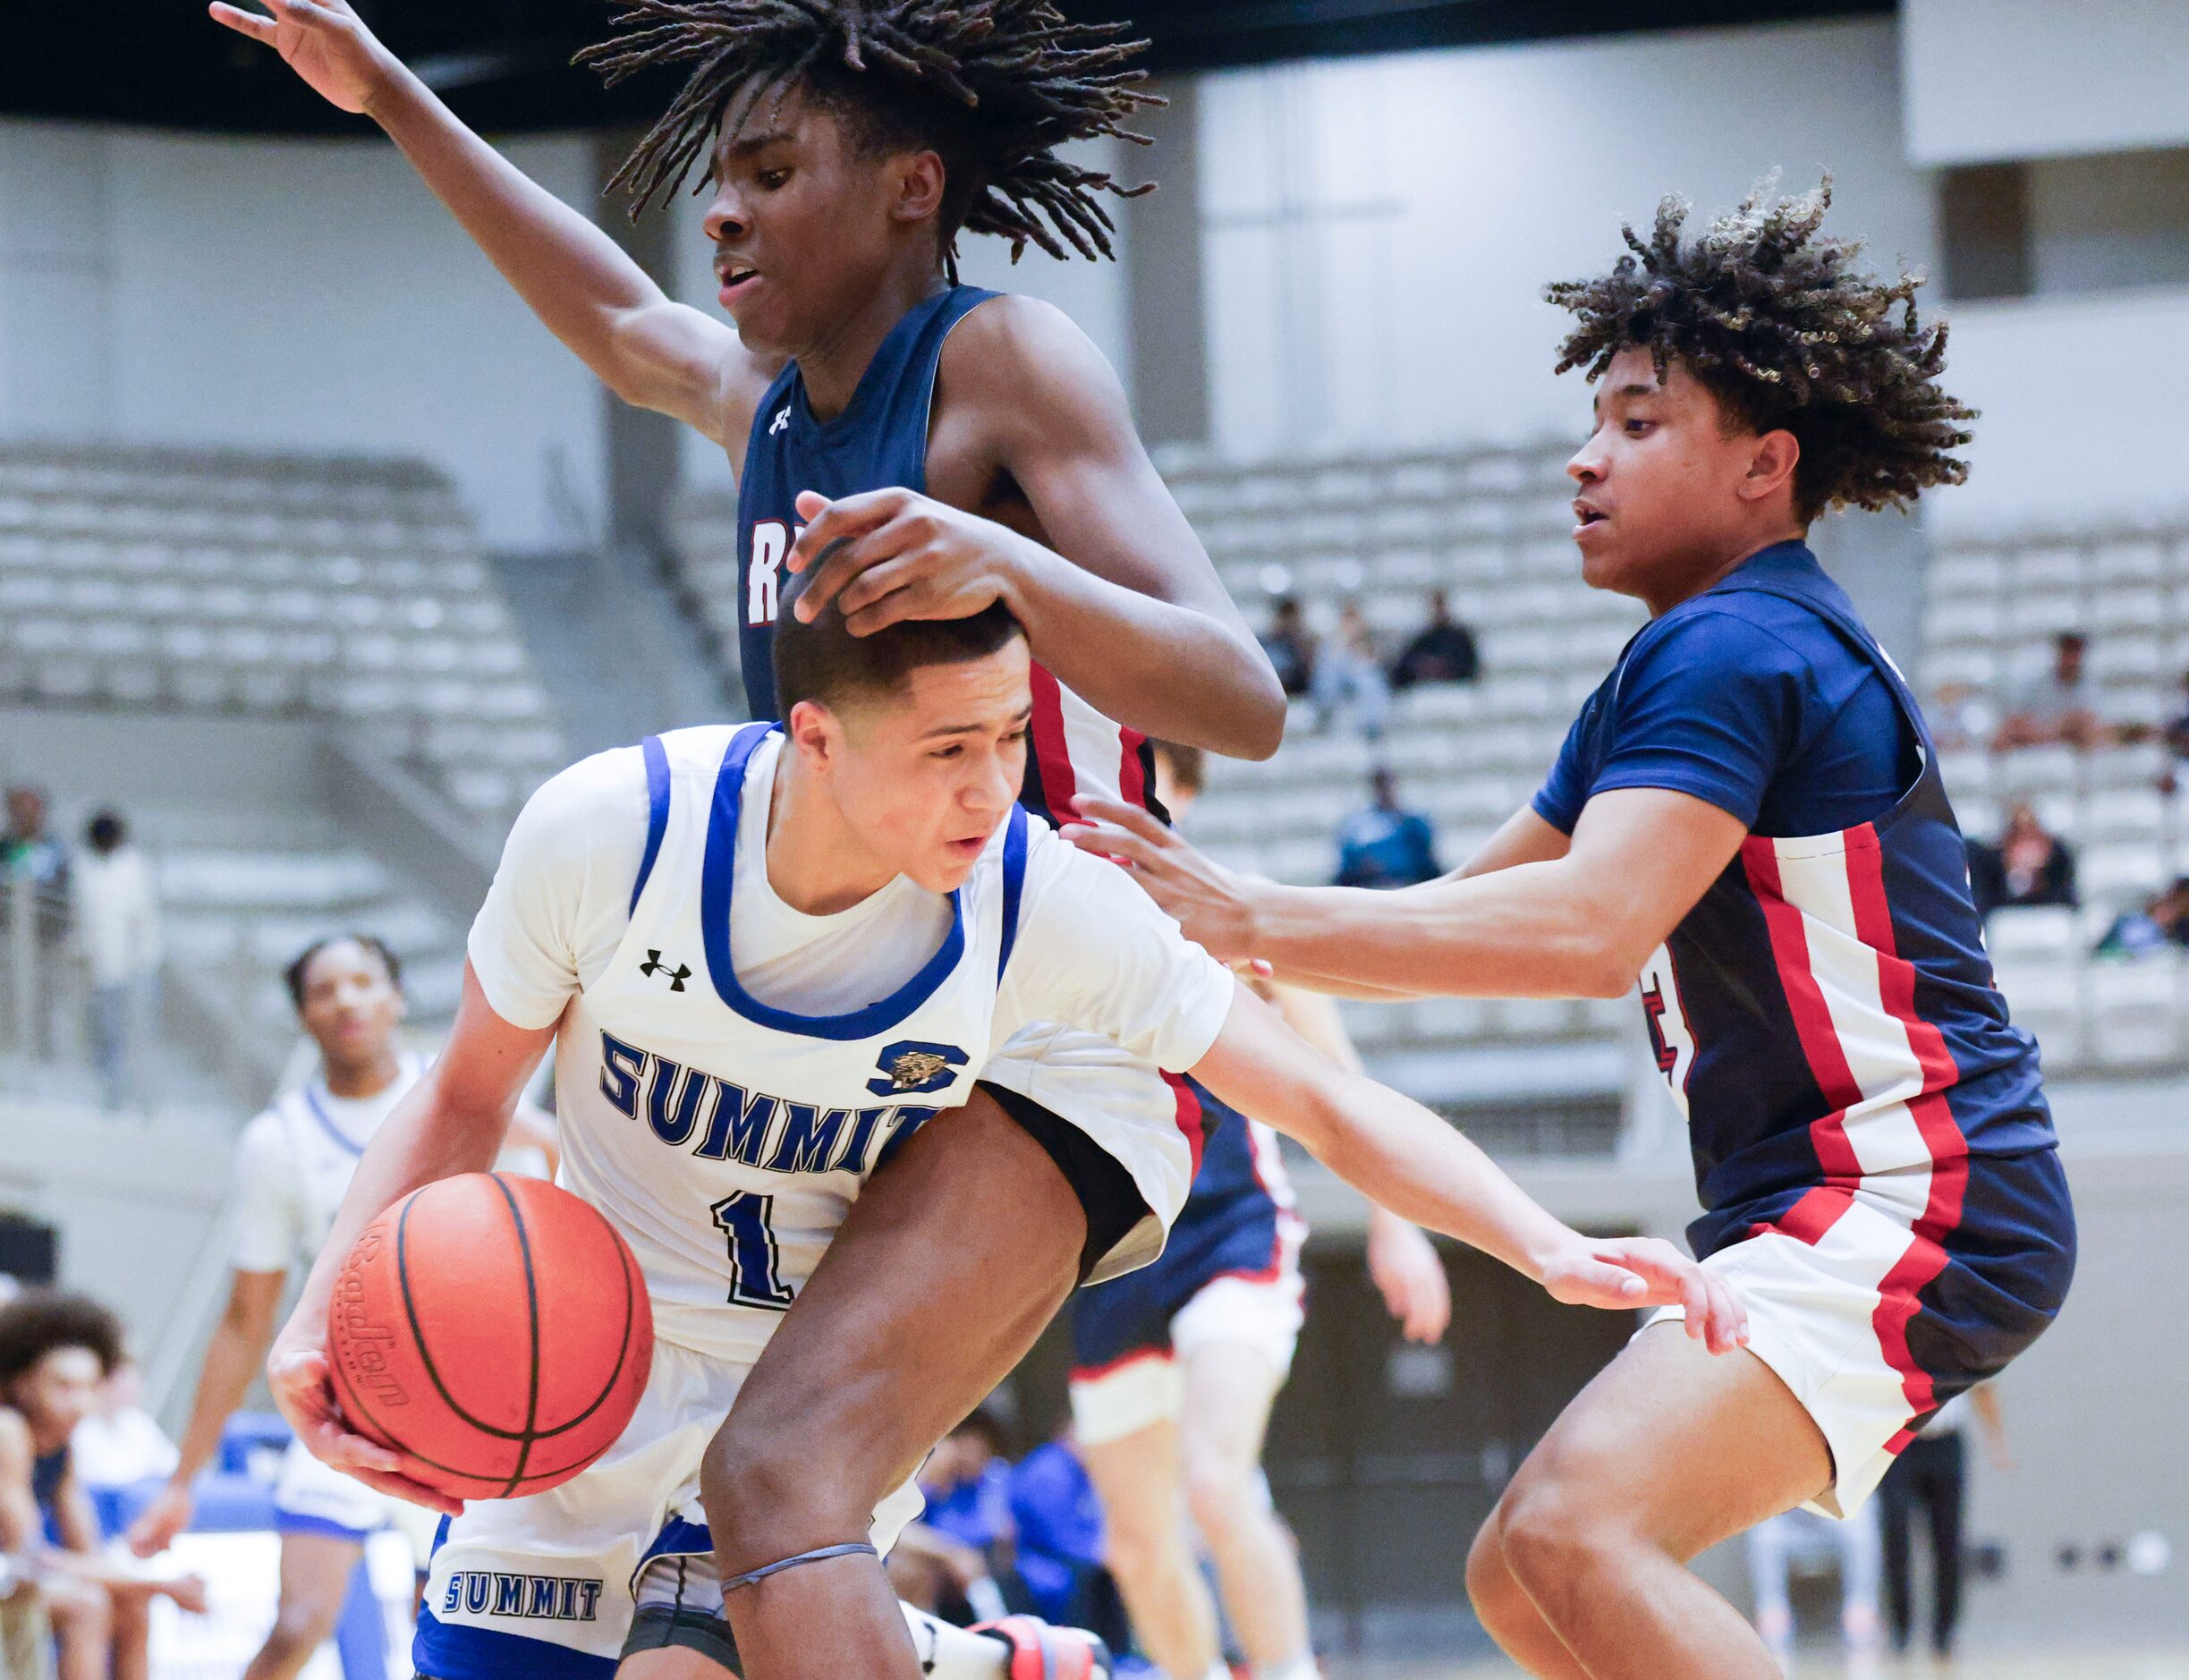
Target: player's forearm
577,280
231,1362
1534,930
1171,672
1415,1167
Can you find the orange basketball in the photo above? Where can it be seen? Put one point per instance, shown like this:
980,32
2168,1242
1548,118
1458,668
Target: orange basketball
495,1331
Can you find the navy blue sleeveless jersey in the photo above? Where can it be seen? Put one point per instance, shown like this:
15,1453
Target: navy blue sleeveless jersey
1826,1016
1239,1222
880,442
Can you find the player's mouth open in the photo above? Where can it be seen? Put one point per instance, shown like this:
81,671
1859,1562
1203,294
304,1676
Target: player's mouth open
735,277
969,848
1585,515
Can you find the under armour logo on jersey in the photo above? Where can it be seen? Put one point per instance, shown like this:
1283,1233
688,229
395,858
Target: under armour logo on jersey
653,965
914,1068
782,423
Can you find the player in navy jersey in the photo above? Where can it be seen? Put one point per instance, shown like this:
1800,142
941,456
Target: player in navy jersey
966,449
1748,815
1176,1367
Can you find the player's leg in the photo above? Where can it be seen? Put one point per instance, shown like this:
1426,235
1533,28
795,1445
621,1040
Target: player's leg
1667,1452
315,1580
1230,1386
1896,1521
1140,1478
943,1275
1945,1492
81,1614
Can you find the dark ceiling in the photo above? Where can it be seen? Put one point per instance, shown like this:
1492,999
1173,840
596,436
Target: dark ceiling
505,63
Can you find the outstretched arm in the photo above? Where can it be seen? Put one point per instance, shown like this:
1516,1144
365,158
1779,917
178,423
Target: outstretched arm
1118,595
1400,1155
1575,924
651,351
454,1121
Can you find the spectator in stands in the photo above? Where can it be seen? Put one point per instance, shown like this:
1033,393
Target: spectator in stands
1062,1544
2028,865
1349,678
55,1352
1442,650
2163,922
1387,844
2059,707
117,927
121,1453
33,858
1772,1547
1291,647
955,1556
1932,1472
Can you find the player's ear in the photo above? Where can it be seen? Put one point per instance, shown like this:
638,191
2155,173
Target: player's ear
814,734
921,180
1770,467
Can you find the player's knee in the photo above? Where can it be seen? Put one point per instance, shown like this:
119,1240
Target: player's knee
1550,1537
767,1497
1223,1497
1497,1599
1143,1549
302,1627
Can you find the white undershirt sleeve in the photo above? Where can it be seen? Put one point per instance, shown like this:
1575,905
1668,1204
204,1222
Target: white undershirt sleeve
561,899
1095,951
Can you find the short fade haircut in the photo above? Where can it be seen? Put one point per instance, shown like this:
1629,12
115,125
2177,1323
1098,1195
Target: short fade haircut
1777,323
40,1321
299,973
823,662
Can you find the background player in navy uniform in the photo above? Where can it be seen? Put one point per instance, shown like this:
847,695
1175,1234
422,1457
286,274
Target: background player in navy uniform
1176,1367
983,453
1748,815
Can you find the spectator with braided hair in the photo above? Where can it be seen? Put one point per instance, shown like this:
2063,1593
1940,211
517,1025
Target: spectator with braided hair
909,448
1747,819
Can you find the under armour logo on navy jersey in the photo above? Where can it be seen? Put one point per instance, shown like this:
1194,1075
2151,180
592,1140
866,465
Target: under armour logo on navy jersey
914,1068
782,423
653,965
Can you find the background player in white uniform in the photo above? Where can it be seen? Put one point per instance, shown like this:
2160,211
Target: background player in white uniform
293,1165
1178,1365
728,1083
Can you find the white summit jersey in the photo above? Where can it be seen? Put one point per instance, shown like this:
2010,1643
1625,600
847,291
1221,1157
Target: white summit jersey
294,1167
729,1070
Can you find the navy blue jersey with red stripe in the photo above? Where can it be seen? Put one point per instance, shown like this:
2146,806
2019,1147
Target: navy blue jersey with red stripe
1826,1017
1239,1222
880,442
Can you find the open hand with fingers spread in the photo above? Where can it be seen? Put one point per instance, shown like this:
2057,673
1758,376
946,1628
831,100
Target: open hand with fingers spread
323,41
894,555
1214,906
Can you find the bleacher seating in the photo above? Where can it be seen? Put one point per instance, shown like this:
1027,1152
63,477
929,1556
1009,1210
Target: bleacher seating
1992,607
350,589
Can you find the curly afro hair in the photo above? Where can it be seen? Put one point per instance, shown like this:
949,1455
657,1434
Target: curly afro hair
1776,320
39,1321
995,86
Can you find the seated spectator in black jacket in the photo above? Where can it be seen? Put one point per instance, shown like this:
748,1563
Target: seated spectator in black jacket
1442,650
2028,865
1291,646
1387,844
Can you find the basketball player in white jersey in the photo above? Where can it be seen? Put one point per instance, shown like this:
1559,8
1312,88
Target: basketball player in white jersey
293,1165
767,958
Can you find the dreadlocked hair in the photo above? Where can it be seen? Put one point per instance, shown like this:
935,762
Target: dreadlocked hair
995,86
1774,319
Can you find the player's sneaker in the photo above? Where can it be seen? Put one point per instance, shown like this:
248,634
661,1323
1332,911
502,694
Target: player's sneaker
1041,1652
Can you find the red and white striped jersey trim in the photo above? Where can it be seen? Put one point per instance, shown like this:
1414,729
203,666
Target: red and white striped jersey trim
1890,1138
1078,750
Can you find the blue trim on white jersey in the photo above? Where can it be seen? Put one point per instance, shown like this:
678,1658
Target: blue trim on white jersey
657,810
448,1651
678,1539
717,882
1014,885
326,1123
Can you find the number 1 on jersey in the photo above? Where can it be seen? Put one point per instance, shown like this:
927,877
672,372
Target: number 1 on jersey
745,1218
